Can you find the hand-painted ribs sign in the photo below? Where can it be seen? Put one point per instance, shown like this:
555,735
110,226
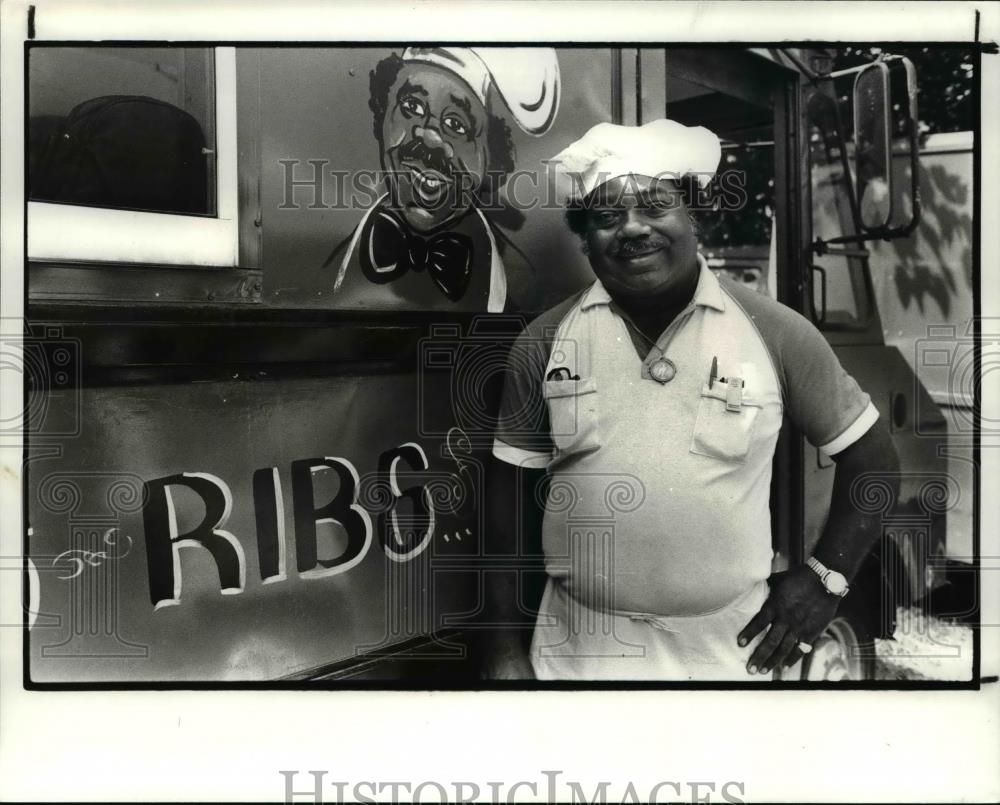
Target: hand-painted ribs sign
273,529
164,540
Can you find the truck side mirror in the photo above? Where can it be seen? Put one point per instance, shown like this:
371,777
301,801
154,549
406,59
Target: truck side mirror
873,146
884,190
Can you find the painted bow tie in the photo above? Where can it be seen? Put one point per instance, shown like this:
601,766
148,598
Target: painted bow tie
389,250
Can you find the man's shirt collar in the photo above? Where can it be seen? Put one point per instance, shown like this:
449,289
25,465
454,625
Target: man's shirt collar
707,294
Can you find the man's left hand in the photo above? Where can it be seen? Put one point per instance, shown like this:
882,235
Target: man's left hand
797,610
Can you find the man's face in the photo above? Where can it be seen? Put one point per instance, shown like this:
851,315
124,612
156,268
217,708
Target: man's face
433,145
639,237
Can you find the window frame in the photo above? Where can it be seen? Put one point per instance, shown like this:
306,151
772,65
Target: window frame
109,236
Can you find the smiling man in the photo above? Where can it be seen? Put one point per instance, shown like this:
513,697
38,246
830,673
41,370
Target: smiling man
444,145
650,405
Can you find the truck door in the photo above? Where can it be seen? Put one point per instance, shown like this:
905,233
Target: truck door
842,303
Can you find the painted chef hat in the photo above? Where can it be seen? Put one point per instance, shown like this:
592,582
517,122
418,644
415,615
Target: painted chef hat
660,148
527,79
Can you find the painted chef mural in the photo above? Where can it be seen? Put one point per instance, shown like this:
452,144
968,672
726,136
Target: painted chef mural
440,118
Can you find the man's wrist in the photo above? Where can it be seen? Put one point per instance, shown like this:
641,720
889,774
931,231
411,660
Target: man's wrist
833,581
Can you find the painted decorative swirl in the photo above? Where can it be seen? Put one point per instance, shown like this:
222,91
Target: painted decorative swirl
79,559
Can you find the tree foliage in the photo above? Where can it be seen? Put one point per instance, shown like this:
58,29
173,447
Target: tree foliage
944,78
945,103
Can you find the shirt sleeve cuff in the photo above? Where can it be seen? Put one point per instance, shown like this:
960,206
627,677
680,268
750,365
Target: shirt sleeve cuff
520,457
854,431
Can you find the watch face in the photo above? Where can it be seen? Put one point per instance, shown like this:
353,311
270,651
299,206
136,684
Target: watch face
836,583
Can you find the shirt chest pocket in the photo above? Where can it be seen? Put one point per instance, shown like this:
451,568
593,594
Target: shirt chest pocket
573,414
721,431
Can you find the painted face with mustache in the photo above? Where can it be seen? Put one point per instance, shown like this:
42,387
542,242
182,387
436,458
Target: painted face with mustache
434,146
640,238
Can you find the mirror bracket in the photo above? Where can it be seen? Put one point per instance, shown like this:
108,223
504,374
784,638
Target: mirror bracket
885,232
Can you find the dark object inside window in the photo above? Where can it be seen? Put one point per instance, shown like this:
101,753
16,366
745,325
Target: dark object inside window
124,127
124,152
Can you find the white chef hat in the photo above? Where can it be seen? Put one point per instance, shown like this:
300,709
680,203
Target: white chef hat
659,148
527,79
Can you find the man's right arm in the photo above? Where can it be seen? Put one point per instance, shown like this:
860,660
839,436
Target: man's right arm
515,567
516,485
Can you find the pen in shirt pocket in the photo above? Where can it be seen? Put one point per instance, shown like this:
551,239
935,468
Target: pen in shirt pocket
713,375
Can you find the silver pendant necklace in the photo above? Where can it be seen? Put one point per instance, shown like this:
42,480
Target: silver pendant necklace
662,370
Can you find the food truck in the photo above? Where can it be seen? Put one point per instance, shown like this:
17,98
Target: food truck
260,409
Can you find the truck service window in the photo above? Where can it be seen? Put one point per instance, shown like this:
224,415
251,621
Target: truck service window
123,128
131,155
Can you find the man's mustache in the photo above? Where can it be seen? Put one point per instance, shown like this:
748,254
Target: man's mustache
634,246
433,158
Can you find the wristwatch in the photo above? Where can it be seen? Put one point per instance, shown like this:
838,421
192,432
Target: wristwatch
835,583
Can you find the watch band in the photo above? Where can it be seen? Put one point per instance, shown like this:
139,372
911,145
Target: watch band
824,574
818,568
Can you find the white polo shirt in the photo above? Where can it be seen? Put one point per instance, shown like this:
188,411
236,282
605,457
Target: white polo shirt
658,499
